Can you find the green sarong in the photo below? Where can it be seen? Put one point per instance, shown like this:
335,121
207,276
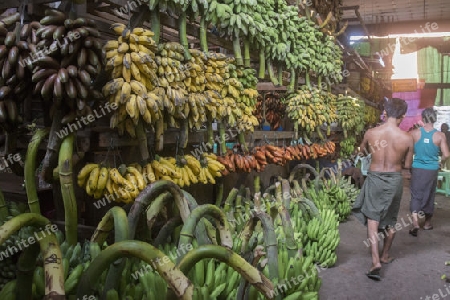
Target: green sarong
379,199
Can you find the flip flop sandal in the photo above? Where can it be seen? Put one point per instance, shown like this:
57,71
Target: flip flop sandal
428,228
389,261
414,231
374,274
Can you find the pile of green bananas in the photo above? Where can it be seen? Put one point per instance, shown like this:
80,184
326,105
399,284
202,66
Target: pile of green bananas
66,73
350,114
347,146
16,48
8,260
323,237
371,115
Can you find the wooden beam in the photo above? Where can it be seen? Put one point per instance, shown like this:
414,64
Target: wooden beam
269,86
437,85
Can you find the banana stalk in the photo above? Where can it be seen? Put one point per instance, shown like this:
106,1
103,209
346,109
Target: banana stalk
115,219
241,138
155,208
247,53
202,34
319,82
307,80
167,230
67,190
296,130
183,35
175,279
4,213
237,50
184,133
262,64
201,234
50,160
187,232
25,268
159,134
142,139
223,146
306,166
219,192
271,74
291,87
50,251
210,131
239,264
30,168
296,84
155,24
270,239
280,73
148,195
257,184
291,245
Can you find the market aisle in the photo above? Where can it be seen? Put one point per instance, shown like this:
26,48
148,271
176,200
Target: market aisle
414,274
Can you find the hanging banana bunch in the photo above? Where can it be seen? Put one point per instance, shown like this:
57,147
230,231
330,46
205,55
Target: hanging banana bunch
131,62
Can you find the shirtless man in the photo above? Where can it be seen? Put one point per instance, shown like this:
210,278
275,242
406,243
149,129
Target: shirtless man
378,204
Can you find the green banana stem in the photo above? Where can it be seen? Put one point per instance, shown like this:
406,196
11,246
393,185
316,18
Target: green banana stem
159,134
234,260
247,53
223,146
155,24
155,208
167,230
280,73
175,279
241,138
184,133
219,193
257,184
301,166
296,130
202,35
231,196
4,213
49,247
148,195
67,189
115,219
187,232
54,143
142,140
296,84
271,74
262,63
201,233
278,193
183,35
30,169
291,87
25,268
210,131
319,82
237,50
307,80
270,239
288,230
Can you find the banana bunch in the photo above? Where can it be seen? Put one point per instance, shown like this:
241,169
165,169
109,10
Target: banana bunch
339,200
310,109
350,114
195,80
274,110
122,184
247,76
347,146
66,72
323,235
371,115
350,189
133,71
16,49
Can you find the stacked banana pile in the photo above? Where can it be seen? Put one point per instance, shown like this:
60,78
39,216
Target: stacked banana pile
350,114
131,62
72,62
217,71
15,53
323,235
310,109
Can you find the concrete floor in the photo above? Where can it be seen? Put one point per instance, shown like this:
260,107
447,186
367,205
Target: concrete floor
416,272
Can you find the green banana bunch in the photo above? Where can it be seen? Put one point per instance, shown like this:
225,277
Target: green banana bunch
371,115
347,146
350,114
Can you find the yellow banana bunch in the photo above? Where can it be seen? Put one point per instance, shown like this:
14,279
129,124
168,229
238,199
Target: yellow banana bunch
131,62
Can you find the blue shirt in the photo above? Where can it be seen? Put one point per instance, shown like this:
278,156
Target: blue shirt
426,153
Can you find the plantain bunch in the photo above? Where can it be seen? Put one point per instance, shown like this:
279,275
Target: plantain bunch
130,61
347,146
310,108
72,61
16,45
371,115
350,114
121,184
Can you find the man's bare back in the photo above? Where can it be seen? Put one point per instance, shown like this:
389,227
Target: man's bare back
389,145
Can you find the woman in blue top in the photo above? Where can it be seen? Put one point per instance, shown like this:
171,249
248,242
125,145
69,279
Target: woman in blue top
428,142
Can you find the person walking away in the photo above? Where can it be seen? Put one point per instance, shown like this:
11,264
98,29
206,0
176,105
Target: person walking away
427,144
378,203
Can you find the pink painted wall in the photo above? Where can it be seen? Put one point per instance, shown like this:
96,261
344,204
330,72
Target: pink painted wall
413,113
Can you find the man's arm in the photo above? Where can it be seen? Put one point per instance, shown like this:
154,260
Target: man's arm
364,144
444,148
409,153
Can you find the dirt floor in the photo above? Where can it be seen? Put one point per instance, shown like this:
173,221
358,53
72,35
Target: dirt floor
416,271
